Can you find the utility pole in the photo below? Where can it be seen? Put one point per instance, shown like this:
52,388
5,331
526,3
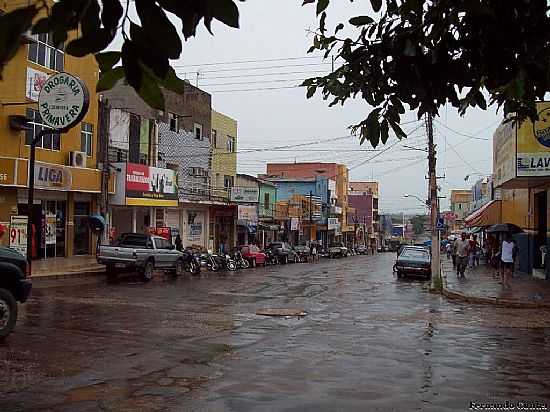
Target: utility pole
432,182
103,138
310,215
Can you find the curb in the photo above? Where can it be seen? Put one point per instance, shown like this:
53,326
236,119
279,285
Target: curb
486,300
83,274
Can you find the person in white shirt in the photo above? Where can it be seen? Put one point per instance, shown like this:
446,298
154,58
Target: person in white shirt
507,259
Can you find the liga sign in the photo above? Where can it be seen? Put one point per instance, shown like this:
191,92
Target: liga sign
63,101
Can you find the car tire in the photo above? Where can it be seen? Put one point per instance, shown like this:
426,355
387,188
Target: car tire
399,274
253,264
147,273
8,313
285,260
180,268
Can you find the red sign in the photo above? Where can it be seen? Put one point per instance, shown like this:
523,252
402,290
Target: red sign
150,182
162,232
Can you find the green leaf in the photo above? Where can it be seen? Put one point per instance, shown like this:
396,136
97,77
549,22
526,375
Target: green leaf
225,11
322,26
338,28
397,130
384,130
111,13
376,5
150,91
12,26
108,79
41,26
158,29
92,43
308,2
321,6
173,82
373,128
107,60
90,21
132,67
311,91
361,20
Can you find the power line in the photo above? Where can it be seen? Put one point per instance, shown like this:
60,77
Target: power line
260,67
262,74
463,134
249,61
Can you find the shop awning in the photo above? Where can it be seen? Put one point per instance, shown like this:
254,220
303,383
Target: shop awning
489,214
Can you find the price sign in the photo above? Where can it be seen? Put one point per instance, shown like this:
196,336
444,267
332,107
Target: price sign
18,234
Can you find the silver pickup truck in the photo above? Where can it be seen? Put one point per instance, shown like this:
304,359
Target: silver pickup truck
142,253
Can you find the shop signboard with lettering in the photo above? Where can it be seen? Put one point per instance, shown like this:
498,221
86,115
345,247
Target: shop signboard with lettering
245,194
150,186
247,214
333,223
52,177
18,234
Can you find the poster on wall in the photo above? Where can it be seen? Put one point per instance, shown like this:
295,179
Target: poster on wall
533,145
294,223
247,213
50,229
35,81
195,232
153,185
18,234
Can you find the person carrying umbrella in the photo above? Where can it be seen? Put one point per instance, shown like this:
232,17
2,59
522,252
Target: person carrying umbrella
507,259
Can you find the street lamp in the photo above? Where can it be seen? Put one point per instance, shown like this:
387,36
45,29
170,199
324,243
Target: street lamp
424,202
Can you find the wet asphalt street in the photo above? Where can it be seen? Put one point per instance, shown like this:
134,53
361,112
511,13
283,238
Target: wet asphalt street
369,342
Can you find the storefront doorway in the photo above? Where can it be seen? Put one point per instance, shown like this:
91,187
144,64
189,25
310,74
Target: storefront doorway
541,221
81,242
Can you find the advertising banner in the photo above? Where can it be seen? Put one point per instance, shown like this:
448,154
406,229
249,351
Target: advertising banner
18,234
245,194
333,223
504,153
294,223
50,233
247,213
150,186
162,232
533,145
35,81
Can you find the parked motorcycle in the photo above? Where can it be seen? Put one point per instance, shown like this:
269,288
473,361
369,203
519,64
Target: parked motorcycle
225,261
270,257
208,261
241,262
191,262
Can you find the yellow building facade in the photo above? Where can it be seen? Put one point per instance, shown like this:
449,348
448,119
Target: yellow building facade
224,154
67,180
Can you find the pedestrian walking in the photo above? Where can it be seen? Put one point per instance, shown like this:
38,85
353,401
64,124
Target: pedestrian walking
449,249
453,253
507,259
473,245
462,247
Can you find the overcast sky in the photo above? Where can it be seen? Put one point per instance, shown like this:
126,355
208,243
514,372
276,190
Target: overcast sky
274,118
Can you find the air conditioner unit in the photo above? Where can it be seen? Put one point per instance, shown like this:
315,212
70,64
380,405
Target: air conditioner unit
77,159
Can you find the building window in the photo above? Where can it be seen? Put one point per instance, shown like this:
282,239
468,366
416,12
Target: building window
198,131
173,121
50,141
214,138
230,144
266,201
228,182
86,138
45,53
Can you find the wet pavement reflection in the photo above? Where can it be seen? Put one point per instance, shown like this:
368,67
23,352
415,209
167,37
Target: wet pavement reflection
369,342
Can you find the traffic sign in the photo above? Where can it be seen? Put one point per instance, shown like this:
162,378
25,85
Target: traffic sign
440,224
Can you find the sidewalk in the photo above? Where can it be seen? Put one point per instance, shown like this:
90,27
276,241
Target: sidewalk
480,286
61,267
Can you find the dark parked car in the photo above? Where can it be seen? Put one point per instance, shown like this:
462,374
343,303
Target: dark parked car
413,260
14,287
283,252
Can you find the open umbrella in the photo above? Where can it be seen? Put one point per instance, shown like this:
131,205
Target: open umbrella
504,228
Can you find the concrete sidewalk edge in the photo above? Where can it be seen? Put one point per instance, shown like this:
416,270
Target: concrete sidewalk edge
486,300
70,274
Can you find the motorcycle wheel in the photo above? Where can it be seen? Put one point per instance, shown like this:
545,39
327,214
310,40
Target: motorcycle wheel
194,268
232,266
245,264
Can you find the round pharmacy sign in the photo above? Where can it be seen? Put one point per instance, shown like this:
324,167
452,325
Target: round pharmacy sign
63,101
